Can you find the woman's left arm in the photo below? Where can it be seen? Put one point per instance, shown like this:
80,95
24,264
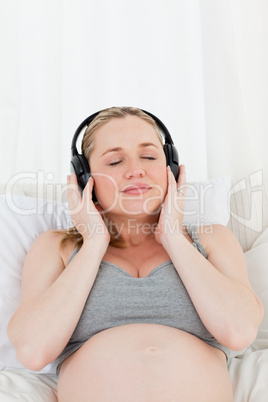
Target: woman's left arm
218,286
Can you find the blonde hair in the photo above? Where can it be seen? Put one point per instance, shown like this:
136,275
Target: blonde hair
87,147
105,116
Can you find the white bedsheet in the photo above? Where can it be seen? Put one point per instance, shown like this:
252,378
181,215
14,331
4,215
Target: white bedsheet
22,385
249,376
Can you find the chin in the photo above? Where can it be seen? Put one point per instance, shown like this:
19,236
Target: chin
140,208
132,206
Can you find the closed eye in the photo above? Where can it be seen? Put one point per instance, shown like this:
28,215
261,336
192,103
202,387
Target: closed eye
143,157
114,163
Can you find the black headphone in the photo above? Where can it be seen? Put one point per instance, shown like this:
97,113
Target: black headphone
79,164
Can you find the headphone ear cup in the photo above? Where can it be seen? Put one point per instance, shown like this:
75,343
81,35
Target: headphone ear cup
79,165
172,159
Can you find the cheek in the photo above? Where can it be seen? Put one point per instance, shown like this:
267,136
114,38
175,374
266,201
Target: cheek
161,178
106,188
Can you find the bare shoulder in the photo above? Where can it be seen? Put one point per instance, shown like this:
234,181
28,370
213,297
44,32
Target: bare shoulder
224,251
48,244
213,236
217,235
44,263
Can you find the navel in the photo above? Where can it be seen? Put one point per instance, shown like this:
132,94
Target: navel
152,350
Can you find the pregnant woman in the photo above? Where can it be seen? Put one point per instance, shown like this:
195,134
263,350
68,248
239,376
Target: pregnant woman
133,306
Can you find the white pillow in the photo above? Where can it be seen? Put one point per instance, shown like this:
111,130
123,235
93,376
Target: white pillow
24,218
257,263
208,202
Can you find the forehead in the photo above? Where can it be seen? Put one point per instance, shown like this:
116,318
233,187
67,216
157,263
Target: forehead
130,130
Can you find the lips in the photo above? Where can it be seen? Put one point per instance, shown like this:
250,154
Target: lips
136,189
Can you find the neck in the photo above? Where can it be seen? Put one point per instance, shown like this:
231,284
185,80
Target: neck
132,231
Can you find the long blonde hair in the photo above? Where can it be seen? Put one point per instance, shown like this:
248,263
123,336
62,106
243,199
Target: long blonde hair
87,146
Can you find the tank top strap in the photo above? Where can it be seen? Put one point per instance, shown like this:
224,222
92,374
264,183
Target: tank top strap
72,255
192,230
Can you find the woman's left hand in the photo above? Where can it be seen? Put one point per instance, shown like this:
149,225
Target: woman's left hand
172,211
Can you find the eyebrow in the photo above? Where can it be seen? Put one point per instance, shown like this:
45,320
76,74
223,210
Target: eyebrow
117,149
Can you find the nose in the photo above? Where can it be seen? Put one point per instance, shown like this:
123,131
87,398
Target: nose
134,170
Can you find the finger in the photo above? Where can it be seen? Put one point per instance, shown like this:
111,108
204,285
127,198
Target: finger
87,193
72,181
182,178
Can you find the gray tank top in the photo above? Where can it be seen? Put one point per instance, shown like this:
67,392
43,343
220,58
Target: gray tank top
117,298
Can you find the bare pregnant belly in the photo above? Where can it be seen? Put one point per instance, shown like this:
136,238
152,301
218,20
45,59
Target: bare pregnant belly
145,363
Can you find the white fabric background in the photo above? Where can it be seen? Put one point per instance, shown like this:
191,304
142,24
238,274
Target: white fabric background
199,65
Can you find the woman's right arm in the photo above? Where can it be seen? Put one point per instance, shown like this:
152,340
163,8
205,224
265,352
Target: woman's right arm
53,297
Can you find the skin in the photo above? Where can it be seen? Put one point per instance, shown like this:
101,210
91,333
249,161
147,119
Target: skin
136,362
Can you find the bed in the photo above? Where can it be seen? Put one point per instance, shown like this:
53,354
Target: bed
28,209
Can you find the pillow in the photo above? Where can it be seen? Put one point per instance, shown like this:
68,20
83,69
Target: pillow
257,263
24,218
207,202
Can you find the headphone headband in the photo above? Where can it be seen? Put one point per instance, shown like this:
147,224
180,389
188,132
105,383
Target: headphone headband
84,124
88,120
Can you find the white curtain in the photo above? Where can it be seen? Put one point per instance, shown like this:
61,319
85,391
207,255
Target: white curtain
199,65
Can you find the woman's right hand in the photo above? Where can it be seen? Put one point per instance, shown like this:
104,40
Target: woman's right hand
85,215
